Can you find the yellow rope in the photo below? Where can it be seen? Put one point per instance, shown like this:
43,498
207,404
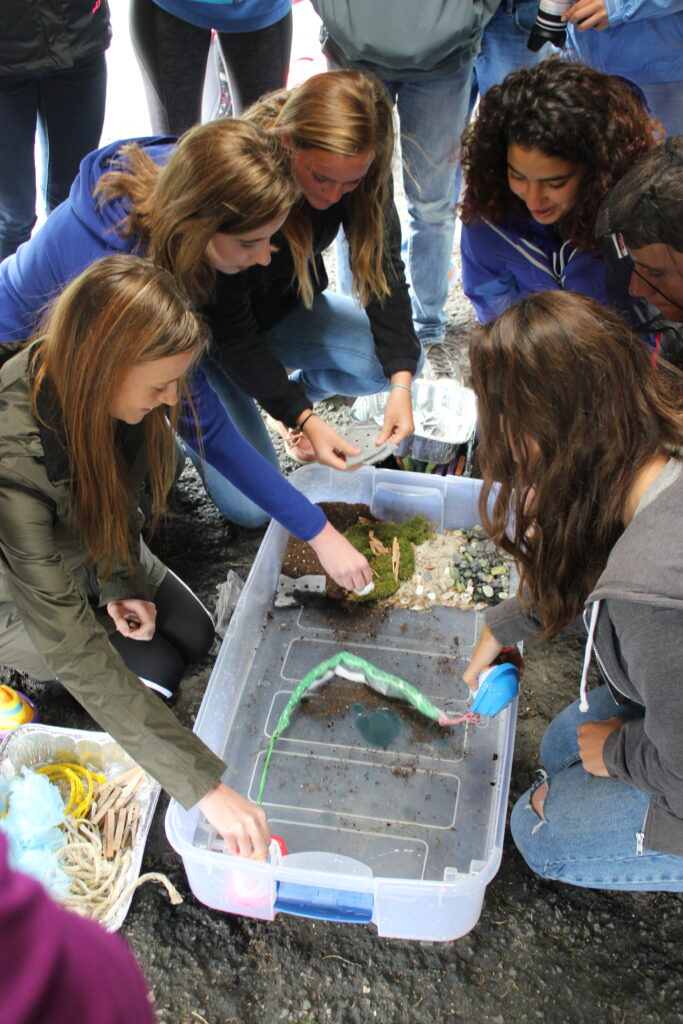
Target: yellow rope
73,775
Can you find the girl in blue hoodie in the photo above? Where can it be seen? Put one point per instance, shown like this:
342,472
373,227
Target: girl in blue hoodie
547,146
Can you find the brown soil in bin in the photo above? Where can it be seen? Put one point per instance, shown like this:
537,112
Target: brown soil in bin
301,560
336,698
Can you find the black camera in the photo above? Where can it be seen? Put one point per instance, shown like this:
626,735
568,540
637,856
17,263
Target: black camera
549,27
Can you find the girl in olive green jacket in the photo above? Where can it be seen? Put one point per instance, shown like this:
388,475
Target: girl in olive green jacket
82,599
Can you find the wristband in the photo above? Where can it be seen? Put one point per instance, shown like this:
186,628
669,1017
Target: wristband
300,426
404,386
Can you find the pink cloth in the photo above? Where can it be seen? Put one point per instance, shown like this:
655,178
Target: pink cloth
57,967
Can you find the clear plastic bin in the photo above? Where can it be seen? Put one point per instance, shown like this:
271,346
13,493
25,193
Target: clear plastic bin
406,836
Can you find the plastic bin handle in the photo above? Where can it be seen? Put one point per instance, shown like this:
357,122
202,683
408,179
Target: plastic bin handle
324,904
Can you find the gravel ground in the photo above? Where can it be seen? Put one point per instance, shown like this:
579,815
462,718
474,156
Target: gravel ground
540,951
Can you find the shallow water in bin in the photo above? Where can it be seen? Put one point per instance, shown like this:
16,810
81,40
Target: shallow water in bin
374,781
377,727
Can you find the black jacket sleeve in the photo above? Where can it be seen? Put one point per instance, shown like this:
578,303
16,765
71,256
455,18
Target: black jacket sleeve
391,319
248,303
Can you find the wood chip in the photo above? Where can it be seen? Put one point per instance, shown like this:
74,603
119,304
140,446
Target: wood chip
376,545
395,558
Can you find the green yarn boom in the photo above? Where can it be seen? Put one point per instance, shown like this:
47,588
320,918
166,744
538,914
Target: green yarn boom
358,670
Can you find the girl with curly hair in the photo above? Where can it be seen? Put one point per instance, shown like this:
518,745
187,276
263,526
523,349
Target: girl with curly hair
547,146
584,437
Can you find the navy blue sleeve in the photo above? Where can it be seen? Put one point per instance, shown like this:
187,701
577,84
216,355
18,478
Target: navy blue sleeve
239,462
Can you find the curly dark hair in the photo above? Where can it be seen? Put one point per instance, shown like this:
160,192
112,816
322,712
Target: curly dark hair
566,110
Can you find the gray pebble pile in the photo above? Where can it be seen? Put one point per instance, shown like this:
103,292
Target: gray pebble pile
481,568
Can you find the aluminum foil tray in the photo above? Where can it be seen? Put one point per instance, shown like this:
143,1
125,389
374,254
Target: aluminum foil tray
33,746
445,416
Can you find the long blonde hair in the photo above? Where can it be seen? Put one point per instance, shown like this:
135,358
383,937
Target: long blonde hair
345,113
119,312
224,176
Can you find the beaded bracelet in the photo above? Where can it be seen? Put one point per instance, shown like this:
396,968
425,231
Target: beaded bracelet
300,426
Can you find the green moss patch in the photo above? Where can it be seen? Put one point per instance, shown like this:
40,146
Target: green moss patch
414,531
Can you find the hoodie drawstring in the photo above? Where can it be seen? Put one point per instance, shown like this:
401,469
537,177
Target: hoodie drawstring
583,702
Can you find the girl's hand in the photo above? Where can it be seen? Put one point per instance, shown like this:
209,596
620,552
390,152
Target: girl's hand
330,447
486,650
340,560
243,825
592,736
398,415
134,618
587,14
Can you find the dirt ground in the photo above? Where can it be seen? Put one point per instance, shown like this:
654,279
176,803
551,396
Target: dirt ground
540,951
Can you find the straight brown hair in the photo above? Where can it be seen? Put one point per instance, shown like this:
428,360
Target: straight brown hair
121,311
223,176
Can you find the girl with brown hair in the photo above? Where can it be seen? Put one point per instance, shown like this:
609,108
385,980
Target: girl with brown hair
204,208
545,149
86,413
584,440
337,128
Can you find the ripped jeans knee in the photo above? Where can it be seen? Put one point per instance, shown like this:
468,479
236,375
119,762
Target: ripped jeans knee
542,779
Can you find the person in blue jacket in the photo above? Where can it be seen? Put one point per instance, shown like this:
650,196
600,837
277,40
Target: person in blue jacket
207,204
547,146
639,39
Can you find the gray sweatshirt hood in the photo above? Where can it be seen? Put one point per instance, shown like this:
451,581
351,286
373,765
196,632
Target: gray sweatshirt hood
630,577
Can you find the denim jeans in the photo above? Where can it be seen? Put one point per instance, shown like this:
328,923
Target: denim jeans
503,49
588,836
432,115
664,100
68,109
330,351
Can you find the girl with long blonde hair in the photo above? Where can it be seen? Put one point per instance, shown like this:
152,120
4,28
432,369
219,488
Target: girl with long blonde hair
86,414
281,336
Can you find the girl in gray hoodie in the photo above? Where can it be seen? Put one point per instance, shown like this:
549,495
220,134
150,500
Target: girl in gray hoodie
585,438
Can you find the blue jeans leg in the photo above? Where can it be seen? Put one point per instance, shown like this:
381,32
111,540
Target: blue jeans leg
559,746
70,120
664,100
503,50
329,348
242,410
588,836
432,116
18,111
67,108
503,45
